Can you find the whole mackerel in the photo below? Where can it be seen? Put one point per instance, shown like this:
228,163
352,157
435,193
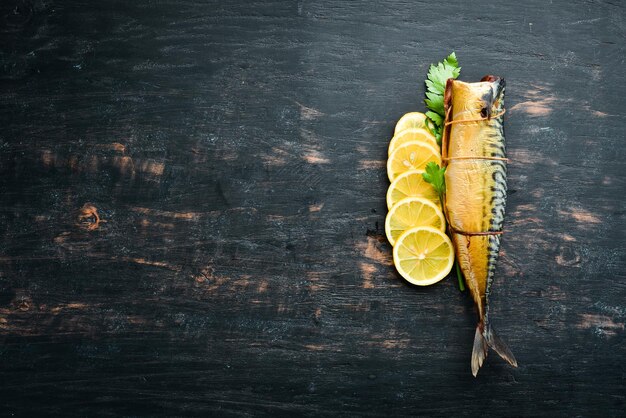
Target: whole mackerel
473,149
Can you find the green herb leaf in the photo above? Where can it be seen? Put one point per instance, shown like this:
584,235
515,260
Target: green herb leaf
434,102
435,175
438,76
451,60
435,118
433,122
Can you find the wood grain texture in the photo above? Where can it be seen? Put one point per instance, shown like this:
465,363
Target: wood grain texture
193,199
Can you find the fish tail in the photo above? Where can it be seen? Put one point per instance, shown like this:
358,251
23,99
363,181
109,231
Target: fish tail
479,353
499,345
486,337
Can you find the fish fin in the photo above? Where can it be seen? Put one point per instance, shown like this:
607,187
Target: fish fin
479,353
498,345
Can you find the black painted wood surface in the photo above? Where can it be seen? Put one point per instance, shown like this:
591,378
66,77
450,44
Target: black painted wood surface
192,200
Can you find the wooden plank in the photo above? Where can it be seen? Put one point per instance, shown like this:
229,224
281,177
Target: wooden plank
193,200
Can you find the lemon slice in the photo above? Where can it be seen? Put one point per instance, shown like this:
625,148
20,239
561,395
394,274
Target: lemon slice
412,134
413,155
411,212
423,255
410,120
410,184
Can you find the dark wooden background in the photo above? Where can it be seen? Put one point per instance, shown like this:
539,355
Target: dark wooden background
192,201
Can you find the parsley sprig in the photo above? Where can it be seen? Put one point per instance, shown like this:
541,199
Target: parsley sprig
435,175
438,76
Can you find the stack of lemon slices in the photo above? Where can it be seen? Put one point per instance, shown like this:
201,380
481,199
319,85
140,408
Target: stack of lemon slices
415,225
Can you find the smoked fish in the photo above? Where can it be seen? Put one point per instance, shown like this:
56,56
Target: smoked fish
473,150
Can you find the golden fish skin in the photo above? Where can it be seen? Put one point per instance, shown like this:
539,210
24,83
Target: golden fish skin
474,149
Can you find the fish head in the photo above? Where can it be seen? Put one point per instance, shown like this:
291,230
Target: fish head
494,99
476,100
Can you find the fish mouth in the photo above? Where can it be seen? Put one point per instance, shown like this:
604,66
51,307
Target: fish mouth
492,99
